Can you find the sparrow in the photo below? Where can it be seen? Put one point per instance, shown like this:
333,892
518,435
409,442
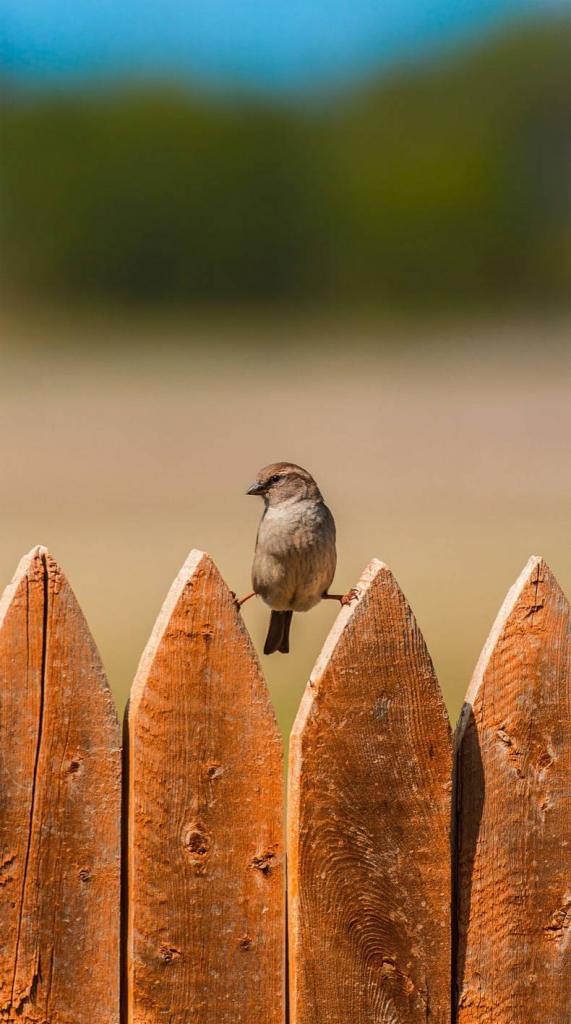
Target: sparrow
295,555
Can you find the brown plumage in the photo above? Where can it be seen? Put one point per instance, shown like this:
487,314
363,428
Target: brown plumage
295,557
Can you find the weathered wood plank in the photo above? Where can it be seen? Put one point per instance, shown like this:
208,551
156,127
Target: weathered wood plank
369,873
206,861
514,814
60,793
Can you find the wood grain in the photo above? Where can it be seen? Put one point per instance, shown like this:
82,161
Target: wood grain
206,859
369,871
60,791
514,814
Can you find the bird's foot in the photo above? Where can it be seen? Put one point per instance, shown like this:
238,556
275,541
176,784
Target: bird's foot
343,599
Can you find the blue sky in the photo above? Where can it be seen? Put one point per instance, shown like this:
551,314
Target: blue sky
264,44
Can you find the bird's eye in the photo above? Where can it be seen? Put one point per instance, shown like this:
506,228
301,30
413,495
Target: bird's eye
274,479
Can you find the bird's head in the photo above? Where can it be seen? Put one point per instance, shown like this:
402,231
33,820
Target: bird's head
284,482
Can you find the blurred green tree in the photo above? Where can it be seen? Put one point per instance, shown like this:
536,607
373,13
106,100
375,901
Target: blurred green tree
442,186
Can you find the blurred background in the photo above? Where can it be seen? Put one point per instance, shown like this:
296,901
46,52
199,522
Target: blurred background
329,232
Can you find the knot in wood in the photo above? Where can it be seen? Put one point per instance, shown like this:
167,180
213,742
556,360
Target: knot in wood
263,862
169,954
196,841
381,708
388,966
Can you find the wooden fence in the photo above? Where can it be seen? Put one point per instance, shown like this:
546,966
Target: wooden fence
428,881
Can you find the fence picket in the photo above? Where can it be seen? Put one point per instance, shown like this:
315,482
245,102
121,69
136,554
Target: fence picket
513,774
206,862
60,792
369,871
371,933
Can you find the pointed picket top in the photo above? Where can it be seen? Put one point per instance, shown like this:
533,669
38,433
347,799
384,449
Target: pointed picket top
60,788
30,568
206,916
369,814
336,632
513,785
183,579
516,594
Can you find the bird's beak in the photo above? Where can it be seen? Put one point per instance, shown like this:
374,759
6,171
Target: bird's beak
255,489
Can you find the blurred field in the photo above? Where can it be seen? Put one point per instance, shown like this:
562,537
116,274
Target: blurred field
447,456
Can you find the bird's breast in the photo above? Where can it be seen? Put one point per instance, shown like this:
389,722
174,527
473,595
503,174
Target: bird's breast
295,555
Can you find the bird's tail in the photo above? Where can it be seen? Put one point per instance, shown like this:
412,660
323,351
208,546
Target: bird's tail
278,633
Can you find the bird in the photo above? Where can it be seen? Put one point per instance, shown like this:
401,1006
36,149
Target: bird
295,555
